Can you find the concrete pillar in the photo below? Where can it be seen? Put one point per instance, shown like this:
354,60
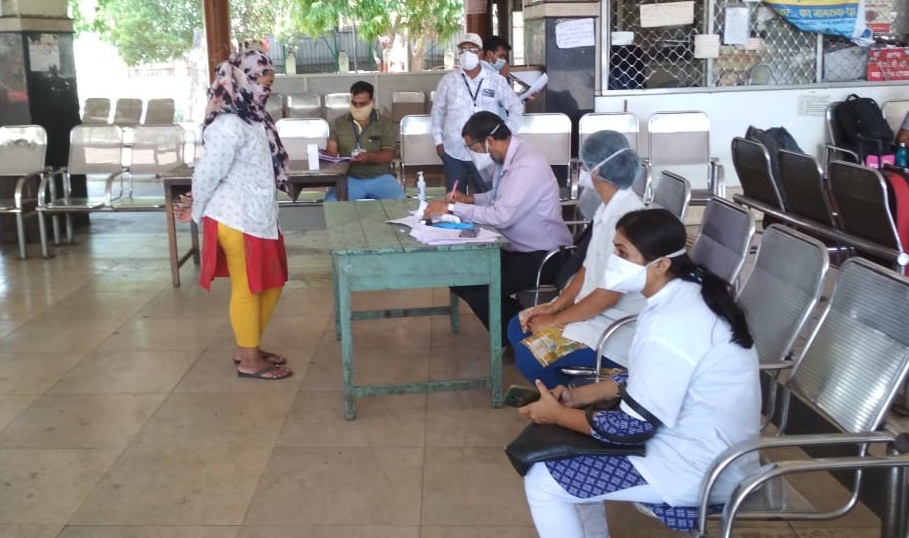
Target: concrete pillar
571,69
38,77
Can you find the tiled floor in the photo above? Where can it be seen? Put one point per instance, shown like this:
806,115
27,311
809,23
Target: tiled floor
121,415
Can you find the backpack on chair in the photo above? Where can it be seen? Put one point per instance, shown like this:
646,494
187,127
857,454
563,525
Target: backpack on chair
863,124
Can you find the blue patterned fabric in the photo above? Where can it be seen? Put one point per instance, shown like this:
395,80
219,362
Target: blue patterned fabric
680,518
619,424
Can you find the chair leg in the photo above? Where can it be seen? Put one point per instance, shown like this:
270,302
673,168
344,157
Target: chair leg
69,229
20,233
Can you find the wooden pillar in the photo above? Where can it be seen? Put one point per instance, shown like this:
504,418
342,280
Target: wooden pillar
217,32
479,23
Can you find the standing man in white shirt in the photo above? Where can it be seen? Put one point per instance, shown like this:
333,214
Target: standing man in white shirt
461,93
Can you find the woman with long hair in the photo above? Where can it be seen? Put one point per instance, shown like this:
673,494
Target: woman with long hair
693,376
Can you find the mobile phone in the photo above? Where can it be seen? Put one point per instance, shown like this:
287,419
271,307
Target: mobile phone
519,396
470,232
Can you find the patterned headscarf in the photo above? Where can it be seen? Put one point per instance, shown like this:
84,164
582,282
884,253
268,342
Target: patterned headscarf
235,91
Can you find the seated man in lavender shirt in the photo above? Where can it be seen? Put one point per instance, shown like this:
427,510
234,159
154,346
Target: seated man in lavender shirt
523,206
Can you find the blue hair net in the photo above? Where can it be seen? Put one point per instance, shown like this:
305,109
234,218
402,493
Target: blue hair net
622,163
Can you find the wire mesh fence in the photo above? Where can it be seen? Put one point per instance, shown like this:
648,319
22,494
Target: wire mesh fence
776,52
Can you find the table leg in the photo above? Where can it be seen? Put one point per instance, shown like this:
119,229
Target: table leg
334,288
495,329
454,312
343,291
172,237
194,233
341,188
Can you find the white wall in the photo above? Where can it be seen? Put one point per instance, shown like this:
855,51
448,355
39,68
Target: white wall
41,8
731,112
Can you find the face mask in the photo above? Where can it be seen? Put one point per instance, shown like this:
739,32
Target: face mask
361,113
584,179
624,276
483,161
498,64
469,60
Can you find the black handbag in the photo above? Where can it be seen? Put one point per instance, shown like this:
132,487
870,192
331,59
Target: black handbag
546,442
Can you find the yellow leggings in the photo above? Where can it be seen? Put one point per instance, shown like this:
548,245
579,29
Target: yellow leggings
249,312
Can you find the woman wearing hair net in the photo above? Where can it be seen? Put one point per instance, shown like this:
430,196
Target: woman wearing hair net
585,309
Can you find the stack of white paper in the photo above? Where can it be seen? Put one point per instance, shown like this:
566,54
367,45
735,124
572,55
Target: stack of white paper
431,235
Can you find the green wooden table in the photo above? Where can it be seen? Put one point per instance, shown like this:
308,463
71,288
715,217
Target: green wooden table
369,254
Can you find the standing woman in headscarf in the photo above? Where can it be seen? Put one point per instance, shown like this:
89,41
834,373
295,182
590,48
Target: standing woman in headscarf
234,199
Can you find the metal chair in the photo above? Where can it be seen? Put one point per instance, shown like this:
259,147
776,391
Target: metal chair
22,152
724,239
275,106
96,111
407,104
862,330
863,205
336,105
155,149
752,164
302,105
803,184
779,295
672,192
550,134
895,113
159,112
93,149
836,147
417,146
682,139
127,112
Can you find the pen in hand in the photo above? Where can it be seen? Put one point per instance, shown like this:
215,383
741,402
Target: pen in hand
450,195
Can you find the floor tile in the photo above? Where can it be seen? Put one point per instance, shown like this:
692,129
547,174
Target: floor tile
80,421
13,404
46,486
185,486
467,419
475,485
317,420
44,335
216,420
147,333
214,371
329,531
95,305
33,373
470,531
331,486
126,371
115,531
855,532
29,531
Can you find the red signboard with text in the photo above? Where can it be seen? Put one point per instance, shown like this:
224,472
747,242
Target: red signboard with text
888,64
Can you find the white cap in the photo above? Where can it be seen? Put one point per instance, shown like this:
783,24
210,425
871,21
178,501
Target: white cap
471,38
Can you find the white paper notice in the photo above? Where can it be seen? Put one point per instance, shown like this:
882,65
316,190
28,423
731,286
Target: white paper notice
672,14
576,33
44,54
813,105
707,46
754,43
622,38
737,25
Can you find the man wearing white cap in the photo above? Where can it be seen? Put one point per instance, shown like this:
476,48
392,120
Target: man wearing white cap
461,93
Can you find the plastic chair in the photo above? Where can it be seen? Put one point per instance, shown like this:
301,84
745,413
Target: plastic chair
417,146
302,105
155,149
93,149
297,133
336,105
96,111
862,330
127,112
407,104
672,192
22,152
779,295
863,204
159,112
682,139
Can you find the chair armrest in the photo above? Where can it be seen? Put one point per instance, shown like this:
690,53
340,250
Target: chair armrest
717,178
549,256
832,149
108,186
746,447
20,186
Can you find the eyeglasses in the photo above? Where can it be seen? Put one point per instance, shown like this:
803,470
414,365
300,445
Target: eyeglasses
474,50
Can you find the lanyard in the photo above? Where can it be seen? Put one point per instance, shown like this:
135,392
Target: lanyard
357,134
495,185
473,95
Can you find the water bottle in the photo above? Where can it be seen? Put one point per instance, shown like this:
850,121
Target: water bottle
902,156
421,187
448,60
343,62
290,64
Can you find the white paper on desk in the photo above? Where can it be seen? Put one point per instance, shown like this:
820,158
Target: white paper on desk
737,25
431,235
671,14
534,88
707,46
575,33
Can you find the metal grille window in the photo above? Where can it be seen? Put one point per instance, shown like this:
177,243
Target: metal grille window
780,53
